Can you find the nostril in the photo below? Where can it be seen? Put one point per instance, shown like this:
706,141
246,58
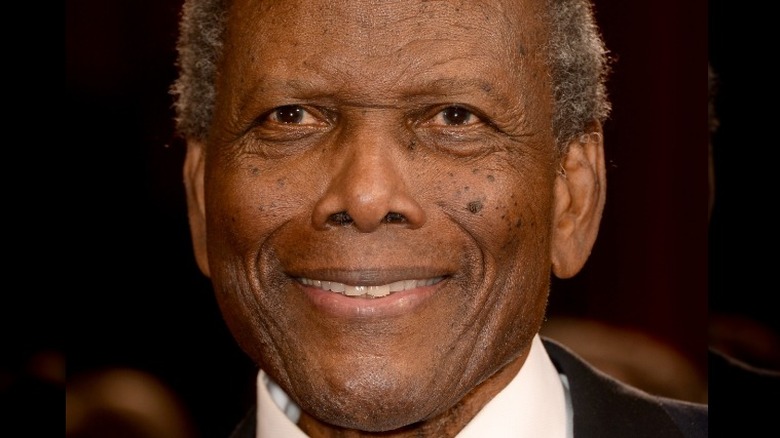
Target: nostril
340,218
395,218
343,218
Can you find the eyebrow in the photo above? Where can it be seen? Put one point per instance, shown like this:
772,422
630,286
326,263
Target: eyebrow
422,90
481,85
453,87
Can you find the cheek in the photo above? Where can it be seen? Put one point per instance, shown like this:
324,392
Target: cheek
506,211
247,207
248,203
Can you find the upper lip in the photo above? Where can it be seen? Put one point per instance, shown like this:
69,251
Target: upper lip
369,276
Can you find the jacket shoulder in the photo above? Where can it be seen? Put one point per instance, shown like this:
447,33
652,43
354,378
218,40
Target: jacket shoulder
606,407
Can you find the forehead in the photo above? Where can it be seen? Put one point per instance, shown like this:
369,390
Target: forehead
394,40
363,20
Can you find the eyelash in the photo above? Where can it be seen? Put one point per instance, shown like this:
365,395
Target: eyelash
300,116
455,111
452,128
295,111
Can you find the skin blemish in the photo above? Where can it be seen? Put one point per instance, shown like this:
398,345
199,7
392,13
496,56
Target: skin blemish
280,183
487,88
521,49
254,171
412,145
491,178
511,242
519,223
474,206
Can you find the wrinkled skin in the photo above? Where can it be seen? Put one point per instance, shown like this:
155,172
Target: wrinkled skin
429,125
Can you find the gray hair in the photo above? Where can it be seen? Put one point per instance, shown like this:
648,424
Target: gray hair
576,54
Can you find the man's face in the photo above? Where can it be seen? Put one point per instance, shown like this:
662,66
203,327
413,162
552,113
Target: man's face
397,149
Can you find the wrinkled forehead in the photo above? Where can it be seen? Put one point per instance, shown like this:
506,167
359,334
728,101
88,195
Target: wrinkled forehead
380,28
385,54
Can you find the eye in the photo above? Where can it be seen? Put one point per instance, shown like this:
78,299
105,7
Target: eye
290,123
292,115
454,115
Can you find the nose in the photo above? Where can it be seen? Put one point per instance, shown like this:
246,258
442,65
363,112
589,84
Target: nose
367,188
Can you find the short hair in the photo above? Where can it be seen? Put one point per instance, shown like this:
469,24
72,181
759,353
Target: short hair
576,55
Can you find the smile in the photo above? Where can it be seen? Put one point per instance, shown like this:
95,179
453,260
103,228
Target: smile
372,291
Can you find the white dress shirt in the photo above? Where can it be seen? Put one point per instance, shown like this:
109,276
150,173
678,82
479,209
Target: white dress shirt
535,404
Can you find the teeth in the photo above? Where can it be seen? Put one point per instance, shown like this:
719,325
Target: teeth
369,291
352,291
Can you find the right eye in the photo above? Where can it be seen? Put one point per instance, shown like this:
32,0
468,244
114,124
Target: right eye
289,123
453,116
292,115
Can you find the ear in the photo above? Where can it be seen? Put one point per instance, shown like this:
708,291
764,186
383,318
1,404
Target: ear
580,192
194,164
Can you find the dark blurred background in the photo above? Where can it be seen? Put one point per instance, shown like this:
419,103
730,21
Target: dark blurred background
744,321
141,304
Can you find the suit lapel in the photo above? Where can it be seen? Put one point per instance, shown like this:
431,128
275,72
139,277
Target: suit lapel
604,407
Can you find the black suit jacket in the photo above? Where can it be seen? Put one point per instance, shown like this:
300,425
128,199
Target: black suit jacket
743,397
603,407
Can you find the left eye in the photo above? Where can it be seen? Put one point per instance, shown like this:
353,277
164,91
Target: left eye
292,115
454,116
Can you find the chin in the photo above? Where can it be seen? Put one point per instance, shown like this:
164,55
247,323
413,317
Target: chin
373,404
377,417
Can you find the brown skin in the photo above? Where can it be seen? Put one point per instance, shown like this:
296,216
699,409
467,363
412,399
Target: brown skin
483,197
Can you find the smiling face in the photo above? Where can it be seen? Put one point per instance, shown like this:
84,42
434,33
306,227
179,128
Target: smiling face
376,205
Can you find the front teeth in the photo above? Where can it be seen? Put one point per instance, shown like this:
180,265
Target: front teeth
369,291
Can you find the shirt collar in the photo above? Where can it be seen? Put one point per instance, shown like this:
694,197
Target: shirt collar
536,403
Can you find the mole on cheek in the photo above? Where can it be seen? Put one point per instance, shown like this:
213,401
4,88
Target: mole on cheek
474,206
254,171
280,183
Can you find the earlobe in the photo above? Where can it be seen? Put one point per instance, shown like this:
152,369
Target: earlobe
580,193
194,163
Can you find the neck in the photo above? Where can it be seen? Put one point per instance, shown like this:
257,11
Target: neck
445,425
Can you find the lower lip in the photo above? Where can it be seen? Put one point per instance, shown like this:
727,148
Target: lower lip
395,304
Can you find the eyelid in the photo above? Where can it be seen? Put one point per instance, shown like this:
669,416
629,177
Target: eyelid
312,116
429,117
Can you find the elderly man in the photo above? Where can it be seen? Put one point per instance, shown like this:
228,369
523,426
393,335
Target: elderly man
380,191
